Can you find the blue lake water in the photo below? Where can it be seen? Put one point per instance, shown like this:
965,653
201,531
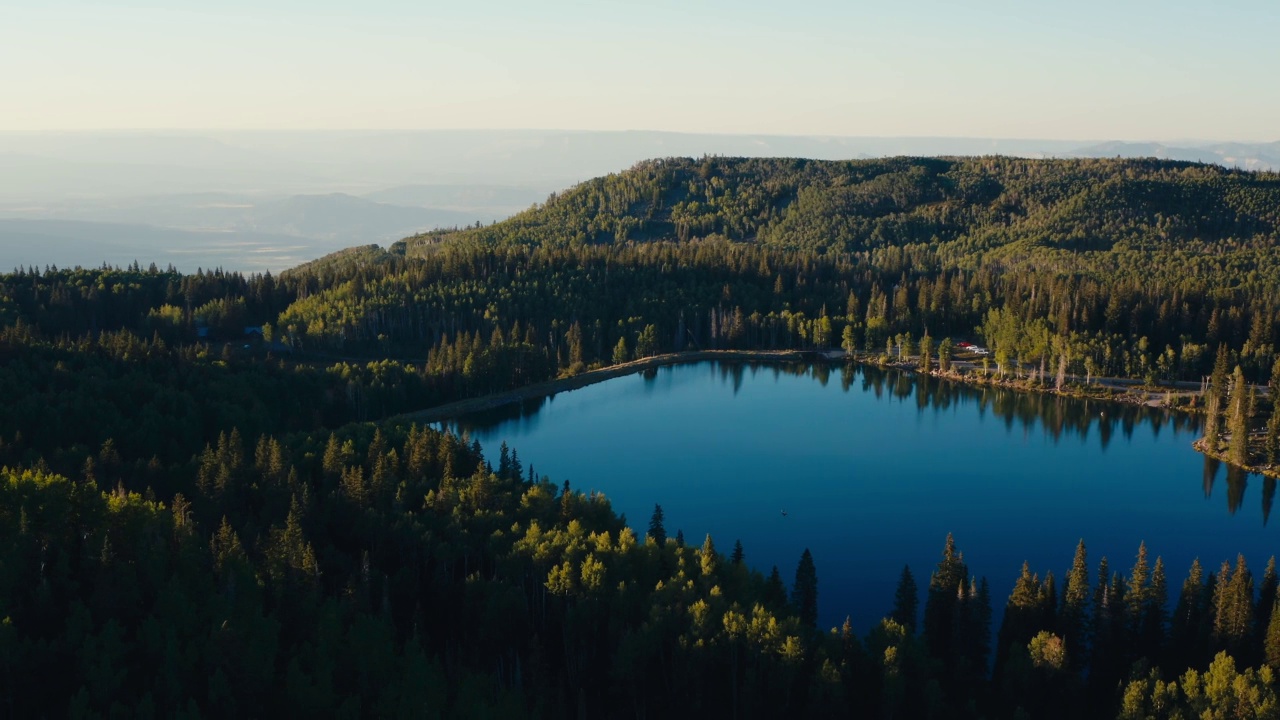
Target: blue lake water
874,468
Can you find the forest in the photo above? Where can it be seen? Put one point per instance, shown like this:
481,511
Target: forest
211,507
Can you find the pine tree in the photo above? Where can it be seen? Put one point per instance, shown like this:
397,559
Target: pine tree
568,500
1151,634
1214,398
926,354
1023,614
945,349
657,533
574,339
708,558
738,553
1048,601
906,600
1266,594
804,594
1238,419
1271,646
377,449
1189,617
354,487
1137,592
332,462
1233,607
1073,620
976,628
226,549
941,609
1108,612
1213,420
848,340
775,593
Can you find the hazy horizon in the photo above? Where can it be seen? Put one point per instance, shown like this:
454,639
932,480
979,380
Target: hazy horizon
198,130
269,200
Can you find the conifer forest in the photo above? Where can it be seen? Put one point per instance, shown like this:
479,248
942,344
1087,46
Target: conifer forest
216,500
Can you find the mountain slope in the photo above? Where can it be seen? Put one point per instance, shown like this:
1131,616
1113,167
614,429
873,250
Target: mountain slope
1083,213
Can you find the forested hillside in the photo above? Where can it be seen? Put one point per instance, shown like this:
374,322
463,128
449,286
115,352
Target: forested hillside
968,212
1125,267
207,509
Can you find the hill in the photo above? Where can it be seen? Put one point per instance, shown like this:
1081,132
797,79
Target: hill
1075,215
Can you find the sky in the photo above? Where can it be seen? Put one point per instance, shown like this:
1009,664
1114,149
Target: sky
1087,69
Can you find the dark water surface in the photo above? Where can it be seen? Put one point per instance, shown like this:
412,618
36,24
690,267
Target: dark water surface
874,468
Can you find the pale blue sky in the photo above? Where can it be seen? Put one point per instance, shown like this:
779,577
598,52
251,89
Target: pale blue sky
1089,70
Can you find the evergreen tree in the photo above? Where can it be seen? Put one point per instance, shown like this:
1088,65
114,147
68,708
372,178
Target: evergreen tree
906,600
574,340
775,593
1233,607
848,340
1266,594
942,605
657,533
975,631
1073,619
1187,626
804,594
1024,614
647,342
1214,397
1137,594
1271,645
1107,631
1151,634
708,560
945,349
1238,419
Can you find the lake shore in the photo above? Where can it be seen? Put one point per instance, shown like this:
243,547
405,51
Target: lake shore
563,384
1115,389
1202,447
1112,389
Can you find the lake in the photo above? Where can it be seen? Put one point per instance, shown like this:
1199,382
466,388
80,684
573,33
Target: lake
874,468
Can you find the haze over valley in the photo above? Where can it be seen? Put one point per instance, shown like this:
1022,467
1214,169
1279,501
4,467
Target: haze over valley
269,200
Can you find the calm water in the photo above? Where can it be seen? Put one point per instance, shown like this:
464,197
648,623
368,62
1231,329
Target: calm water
874,469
